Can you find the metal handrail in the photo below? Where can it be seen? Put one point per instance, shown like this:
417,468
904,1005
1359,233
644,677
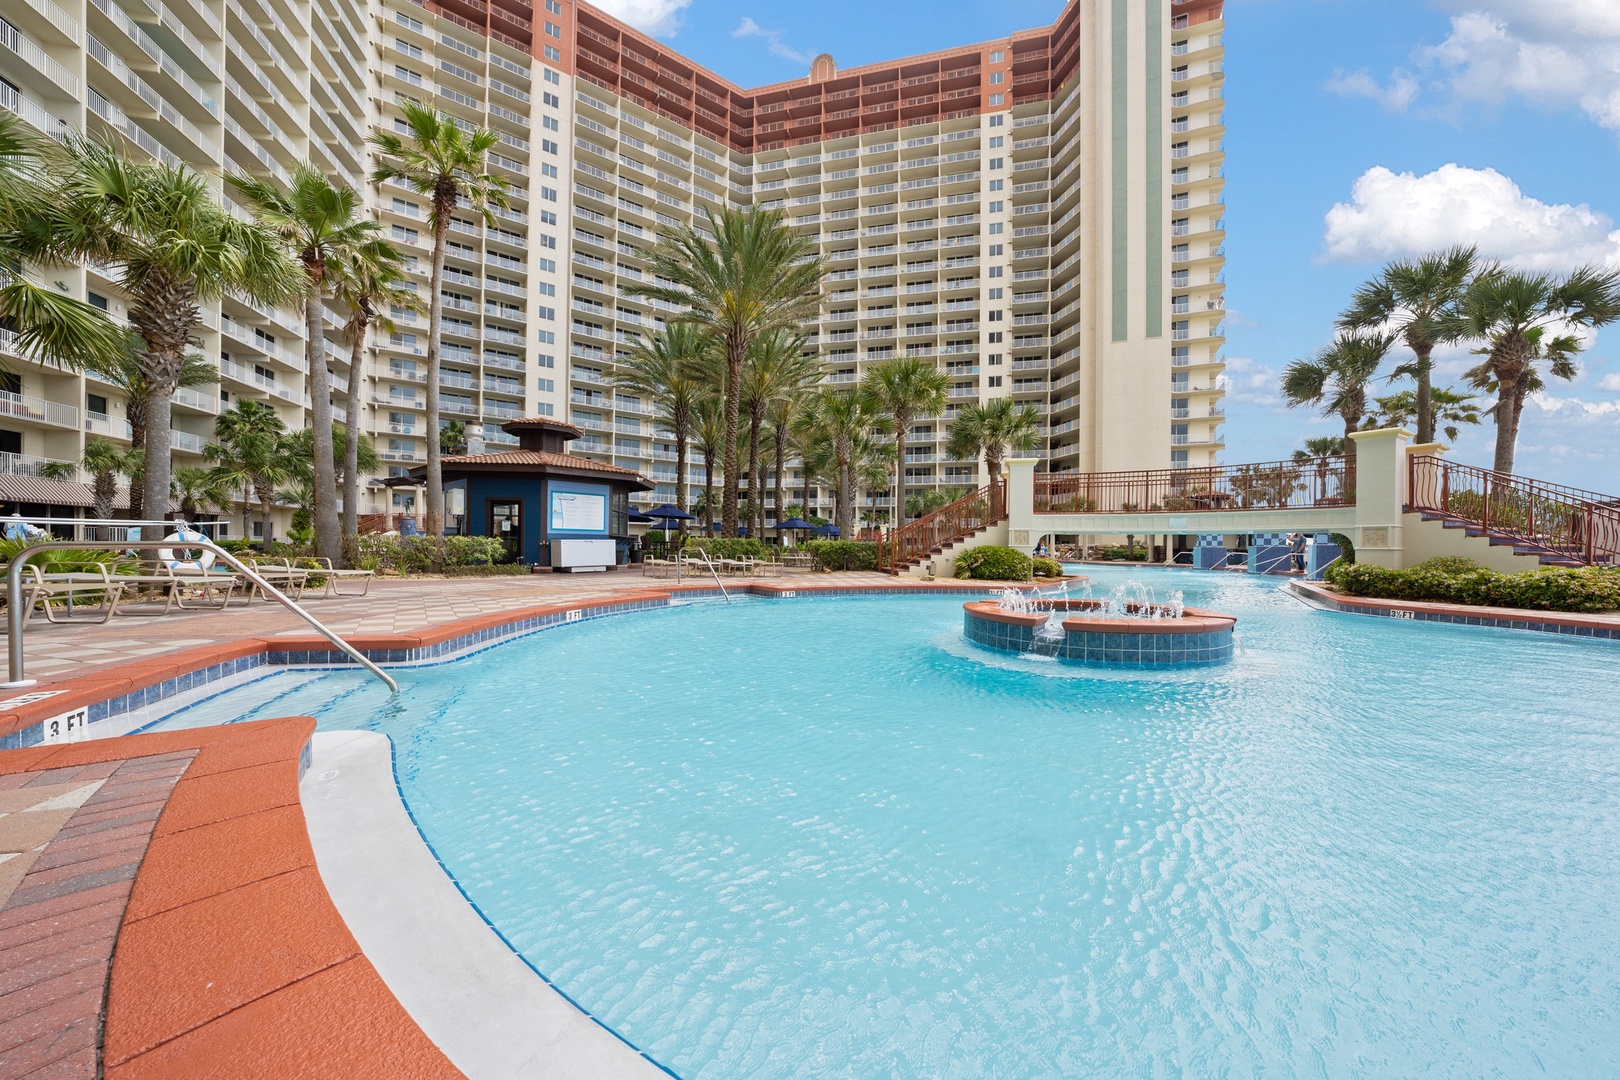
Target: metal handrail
1320,573
710,564
15,615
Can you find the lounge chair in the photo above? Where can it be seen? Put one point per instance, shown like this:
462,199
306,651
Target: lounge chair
333,576
281,575
40,589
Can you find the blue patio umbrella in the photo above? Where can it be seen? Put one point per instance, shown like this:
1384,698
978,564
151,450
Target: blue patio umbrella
641,519
827,530
667,514
793,524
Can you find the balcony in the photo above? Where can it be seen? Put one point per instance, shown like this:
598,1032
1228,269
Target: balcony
38,410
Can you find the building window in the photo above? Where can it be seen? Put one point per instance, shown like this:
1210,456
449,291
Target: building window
95,403
994,316
550,123
548,266
97,300
994,228
552,77
998,56
548,146
554,6
554,30
996,185
553,54
997,206
998,142
995,294
993,380
997,78
996,163
995,271
997,121
995,337
997,99
552,100
995,249
548,337
545,360
995,359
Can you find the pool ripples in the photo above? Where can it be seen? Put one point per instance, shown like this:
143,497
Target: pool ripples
827,838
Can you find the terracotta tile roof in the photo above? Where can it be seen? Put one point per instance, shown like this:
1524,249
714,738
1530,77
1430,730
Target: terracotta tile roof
541,423
541,457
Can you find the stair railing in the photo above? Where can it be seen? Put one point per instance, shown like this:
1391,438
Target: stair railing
1571,522
918,538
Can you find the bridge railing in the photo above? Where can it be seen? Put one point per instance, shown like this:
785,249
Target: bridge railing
917,539
1274,485
1579,524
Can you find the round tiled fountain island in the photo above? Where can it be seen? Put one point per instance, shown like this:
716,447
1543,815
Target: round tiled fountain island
1123,630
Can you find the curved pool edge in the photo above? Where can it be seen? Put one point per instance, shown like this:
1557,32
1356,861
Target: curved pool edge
490,1012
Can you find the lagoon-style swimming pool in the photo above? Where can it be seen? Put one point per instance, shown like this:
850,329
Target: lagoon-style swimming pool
828,837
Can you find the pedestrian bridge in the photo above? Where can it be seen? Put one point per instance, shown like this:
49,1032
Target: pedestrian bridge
1398,503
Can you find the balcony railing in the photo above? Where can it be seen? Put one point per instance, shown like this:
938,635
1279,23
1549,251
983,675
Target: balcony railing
1273,485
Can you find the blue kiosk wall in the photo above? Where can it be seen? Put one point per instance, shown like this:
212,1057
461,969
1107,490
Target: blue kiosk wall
534,495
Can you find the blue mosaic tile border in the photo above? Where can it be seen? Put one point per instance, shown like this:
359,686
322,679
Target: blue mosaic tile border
1119,650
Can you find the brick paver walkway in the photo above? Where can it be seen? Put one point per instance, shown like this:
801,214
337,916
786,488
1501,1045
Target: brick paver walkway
393,606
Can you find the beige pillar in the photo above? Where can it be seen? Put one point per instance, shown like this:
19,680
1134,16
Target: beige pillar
1022,528
1380,495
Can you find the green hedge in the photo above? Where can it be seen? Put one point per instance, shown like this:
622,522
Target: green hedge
994,564
844,554
1044,567
1462,581
741,547
1120,553
425,555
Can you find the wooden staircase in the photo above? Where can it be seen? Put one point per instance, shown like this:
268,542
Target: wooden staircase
930,535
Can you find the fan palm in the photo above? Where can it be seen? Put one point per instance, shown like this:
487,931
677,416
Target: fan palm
1514,313
1336,379
776,369
907,388
1322,446
173,248
51,327
443,163
127,373
758,276
105,462
453,437
370,282
992,430
323,225
252,455
1409,298
199,491
665,369
783,416
1446,407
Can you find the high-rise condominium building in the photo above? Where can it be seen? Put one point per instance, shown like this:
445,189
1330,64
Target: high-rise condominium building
1041,214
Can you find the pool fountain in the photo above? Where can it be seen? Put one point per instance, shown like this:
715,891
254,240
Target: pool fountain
1130,626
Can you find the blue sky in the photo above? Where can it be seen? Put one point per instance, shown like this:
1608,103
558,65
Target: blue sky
1357,131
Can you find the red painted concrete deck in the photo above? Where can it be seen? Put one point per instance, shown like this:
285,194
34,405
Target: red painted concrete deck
189,873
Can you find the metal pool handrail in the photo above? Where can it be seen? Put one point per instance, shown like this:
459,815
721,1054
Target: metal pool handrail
716,574
15,615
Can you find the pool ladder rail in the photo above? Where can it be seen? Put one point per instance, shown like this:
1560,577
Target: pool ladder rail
16,616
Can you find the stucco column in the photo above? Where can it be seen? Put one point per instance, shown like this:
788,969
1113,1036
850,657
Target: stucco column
1380,495
1022,528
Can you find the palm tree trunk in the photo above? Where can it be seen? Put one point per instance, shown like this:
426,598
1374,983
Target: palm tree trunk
846,509
708,495
351,450
781,480
1509,407
435,470
135,411
756,489
157,466
265,496
247,514
328,536
902,425
1425,396
679,423
992,462
736,350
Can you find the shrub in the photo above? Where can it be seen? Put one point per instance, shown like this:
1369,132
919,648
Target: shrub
66,559
424,555
844,554
1462,581
994,564
740,547
1119,553
1047,567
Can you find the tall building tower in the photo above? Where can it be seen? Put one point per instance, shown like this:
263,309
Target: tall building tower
1041,215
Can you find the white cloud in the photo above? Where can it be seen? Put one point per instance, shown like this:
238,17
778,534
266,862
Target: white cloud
1555,53
1551,403
1397,214
1250,382
658,17
1610,382
1395,97
748,28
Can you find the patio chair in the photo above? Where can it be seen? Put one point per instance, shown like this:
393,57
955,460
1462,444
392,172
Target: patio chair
39,589
280,574
334,575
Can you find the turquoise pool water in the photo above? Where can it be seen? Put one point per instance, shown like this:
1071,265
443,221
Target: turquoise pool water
827,838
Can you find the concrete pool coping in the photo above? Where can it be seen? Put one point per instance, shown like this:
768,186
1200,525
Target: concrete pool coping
490,1013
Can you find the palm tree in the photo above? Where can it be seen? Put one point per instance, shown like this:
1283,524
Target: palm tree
453,438
1513,312
758,276
126,372
783,416
105,462
1337,378
251,455
776,369
1446,407
1322,446
846,420
993,430
200,490
174,248
906,388
1410,298
323,226
444,164
709,440
369,283
666,369
51,327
